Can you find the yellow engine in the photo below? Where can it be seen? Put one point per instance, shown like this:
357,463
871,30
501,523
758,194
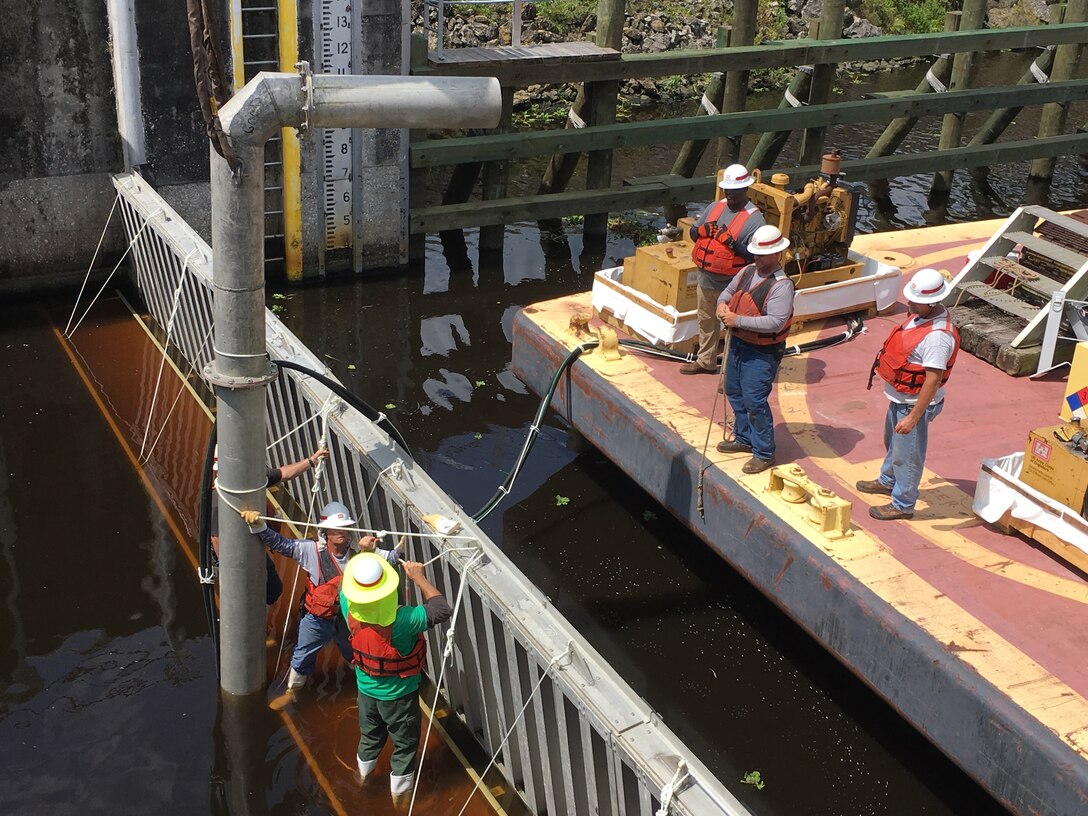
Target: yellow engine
819,220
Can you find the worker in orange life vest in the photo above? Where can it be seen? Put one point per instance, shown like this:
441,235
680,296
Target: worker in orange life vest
758,307
323,562
915,363
721,234
388,650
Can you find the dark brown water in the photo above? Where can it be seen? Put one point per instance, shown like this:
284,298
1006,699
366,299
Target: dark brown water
108,687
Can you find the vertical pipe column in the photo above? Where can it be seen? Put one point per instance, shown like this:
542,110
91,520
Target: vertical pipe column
812,140
287,16
601,98
239,373
126,81
1052,120
735,97
973,17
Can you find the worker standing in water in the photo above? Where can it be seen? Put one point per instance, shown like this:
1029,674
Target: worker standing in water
915,363
721,234
324,561
389,650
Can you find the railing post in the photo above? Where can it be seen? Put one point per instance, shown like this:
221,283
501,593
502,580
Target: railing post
1050,333
973,16
812,140
601,98
1052,119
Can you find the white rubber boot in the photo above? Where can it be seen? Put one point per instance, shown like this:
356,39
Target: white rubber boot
295,680
366,766
401,785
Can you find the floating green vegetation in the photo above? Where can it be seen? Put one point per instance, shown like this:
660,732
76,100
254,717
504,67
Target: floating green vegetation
638,232
561,501
755,779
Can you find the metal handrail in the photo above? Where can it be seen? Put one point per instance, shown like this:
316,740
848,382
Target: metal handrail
588,743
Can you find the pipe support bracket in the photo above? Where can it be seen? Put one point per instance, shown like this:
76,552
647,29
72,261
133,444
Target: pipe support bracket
213,377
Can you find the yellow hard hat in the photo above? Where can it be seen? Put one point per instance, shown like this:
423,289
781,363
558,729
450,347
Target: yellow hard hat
370,586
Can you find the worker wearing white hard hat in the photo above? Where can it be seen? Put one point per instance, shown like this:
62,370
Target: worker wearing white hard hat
389,651
721,234
323,561
757,308
273,476
915,362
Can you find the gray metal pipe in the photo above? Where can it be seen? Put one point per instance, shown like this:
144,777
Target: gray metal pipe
126,81
269,102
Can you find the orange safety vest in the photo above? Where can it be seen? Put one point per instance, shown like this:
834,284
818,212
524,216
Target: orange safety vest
715,248
322,600
750,302
375,654
891,361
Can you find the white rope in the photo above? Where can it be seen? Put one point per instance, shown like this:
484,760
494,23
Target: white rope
332,400
105,283
319,473
94,258
170,413
165,347
446,654
378,481
451,549
669,790
510,730
708,106
576,121
361,530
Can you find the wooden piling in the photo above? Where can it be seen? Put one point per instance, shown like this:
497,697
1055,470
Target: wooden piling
935,81
971,18
496,174
812,140
735,97
770,145
1053,117
691,152
1001,118
601,106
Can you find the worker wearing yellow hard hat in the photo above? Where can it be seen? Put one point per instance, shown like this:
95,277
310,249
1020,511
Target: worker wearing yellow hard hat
389,649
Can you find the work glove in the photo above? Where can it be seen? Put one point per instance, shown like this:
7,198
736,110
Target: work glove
253,519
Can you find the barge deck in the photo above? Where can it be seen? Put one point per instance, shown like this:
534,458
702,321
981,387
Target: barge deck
976,637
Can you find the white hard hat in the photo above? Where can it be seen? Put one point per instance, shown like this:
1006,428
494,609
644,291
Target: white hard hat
768,240
736,177
335,514
215,459
926,286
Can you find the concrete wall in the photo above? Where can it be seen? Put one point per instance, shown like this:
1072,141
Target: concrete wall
58,139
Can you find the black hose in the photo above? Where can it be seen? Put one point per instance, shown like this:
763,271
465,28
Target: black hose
351,399
854,325
204,541
534,430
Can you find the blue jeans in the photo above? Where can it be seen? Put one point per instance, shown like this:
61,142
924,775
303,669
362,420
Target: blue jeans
313,633
749,378
906,456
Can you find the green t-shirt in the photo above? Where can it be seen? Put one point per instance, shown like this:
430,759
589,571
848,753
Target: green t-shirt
409,622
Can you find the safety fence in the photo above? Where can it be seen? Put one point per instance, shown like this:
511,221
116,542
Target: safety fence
565,730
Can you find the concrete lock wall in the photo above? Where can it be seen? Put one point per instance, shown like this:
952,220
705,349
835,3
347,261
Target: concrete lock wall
58,141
